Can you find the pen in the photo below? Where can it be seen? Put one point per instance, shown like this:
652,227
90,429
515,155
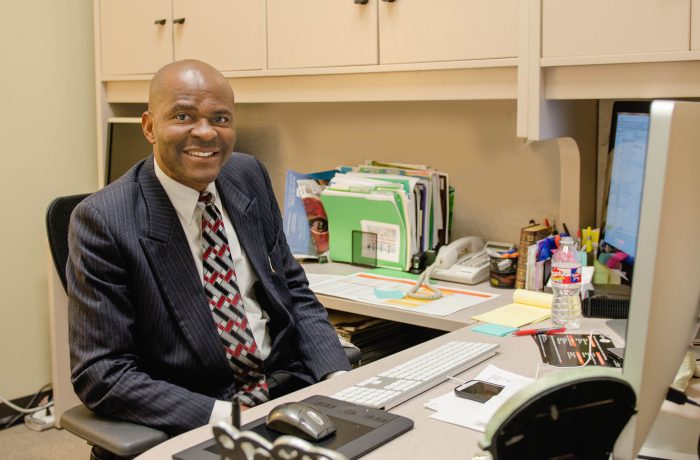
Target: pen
546,330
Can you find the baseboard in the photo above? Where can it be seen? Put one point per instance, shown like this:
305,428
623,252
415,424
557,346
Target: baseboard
7,413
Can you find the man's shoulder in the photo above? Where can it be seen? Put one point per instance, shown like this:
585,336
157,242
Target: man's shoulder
123,192
241,165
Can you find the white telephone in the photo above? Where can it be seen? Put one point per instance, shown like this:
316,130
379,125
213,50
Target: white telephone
465,260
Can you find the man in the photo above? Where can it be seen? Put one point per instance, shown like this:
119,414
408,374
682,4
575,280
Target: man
182,289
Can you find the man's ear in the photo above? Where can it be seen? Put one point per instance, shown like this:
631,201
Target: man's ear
147,126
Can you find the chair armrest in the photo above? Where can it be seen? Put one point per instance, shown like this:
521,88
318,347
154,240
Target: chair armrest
121,438
353,354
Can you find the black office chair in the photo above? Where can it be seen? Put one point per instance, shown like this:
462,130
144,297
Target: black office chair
111,439
570,414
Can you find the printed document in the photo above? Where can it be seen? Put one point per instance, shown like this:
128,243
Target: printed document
390,292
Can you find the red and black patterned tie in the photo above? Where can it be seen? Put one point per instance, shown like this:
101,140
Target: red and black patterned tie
227,308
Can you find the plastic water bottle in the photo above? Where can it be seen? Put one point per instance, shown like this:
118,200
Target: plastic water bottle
566,284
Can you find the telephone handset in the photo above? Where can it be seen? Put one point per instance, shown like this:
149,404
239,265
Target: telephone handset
465,260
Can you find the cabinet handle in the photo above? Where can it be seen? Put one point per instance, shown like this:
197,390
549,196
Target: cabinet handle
160,22
389,1
179,21
361,2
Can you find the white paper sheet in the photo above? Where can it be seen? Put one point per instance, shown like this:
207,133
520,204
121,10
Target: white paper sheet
363,287
475,415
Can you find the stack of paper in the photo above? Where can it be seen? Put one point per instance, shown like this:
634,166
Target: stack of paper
528,307
398,210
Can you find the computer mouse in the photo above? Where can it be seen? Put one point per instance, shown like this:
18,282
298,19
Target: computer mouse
299,419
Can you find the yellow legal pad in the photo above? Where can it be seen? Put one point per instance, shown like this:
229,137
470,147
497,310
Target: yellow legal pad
528,307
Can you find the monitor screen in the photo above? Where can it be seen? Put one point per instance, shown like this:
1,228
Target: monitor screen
126,146
628,141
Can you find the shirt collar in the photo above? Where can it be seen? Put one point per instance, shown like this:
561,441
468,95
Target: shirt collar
183,198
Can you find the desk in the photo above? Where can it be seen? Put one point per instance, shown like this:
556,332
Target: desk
448,323
429,438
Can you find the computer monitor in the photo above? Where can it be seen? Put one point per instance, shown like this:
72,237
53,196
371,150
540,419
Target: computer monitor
665,296
628,146
126,145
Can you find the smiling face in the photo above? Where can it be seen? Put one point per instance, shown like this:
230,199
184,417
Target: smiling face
189,121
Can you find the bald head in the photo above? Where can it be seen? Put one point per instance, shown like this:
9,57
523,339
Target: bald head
189,73
189,121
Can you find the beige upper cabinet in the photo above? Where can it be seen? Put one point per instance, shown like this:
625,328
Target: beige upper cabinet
135,36
695,26
140,36
321,33
607,27
228,34
447,30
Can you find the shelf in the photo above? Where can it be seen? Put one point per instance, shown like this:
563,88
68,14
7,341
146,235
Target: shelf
478,83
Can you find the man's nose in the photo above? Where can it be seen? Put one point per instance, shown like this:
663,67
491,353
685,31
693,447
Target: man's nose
203,130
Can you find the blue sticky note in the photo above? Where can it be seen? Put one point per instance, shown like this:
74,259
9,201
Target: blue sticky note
494,329
389,294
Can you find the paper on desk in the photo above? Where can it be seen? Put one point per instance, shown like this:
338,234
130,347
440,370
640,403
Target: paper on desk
471,414
528,307
363,287
316,279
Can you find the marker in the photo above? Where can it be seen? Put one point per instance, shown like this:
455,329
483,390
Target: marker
546,330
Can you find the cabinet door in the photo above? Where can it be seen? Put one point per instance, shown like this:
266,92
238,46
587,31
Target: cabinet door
695,26
227,34
448,30
600,27
321,33
135,36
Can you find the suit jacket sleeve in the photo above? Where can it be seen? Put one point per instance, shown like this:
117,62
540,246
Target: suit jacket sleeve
105,357
316,339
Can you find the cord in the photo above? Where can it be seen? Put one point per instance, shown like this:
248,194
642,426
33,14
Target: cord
26,410
590,357
425,278
678,397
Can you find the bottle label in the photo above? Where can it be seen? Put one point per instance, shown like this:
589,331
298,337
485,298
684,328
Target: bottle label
565,275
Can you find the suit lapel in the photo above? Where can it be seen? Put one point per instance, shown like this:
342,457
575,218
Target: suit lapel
241,208
170,258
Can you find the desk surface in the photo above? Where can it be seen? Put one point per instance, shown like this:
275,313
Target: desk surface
515,354
448,323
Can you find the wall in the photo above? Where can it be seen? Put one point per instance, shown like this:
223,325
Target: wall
48,143
501,183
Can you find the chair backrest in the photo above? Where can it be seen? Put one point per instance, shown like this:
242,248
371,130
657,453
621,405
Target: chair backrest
57,221
572,414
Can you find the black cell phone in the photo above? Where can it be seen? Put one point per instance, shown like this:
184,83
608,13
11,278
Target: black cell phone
478,390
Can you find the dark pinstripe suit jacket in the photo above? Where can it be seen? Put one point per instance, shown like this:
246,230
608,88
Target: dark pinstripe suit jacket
143,343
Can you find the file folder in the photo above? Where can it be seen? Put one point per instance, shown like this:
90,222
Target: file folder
381,212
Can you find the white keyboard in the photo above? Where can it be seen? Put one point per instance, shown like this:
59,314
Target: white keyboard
396,385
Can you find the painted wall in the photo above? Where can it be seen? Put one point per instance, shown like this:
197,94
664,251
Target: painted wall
501,182
47,127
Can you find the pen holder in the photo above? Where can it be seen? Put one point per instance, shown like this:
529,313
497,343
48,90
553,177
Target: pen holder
503,272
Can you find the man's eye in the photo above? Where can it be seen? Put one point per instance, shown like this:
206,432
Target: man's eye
182,116
221,119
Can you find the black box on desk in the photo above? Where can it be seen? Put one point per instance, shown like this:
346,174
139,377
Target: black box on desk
607,301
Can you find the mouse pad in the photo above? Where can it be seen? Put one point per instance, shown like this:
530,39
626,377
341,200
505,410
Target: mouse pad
359,430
